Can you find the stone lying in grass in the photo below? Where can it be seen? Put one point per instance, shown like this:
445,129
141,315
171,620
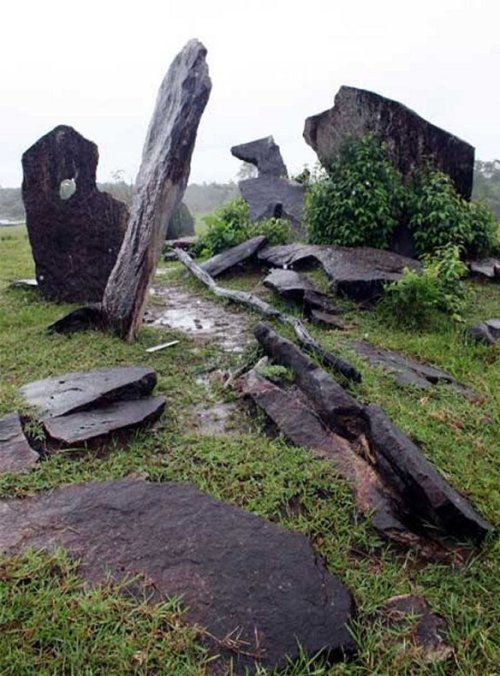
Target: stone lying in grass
487,332
485,268
16,455
258,591
298,288
234,256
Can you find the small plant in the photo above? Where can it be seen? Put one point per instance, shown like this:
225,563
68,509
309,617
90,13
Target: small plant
358,201
277,373
419,298
231,225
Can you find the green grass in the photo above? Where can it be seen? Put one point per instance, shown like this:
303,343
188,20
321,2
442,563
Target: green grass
50,623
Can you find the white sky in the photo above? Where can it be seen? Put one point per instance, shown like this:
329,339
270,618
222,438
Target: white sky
97,65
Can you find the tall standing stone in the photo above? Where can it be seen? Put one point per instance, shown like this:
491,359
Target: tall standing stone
411,140
75,230
160,185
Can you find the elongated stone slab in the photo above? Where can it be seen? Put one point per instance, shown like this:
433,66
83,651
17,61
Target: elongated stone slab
16,455
86,426
228,259
81,390
236,574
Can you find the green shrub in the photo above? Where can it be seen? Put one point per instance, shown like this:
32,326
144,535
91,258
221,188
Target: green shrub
230,225
419,298
358,201
438,216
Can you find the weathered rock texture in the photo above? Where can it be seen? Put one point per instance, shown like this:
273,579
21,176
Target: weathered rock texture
411,140
294,286
75,241
236,255
359,273
270,196
237,575
160,185
181,224
487,332
488,268
16,455
265,154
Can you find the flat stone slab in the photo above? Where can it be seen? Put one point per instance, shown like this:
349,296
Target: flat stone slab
294,286
16,455
358,273
82,390
86,426
237,575
487,332
406,371
234,256
486,267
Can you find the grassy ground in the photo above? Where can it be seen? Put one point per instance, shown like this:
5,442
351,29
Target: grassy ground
51,624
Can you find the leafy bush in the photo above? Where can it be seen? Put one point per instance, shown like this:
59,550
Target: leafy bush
440,216
417,299
230,225
358,201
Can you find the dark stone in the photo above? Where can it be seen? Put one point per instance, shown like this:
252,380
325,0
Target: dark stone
269,196
87,425
236,255
411,141
88,318
237,575
75,241
159,187
326,319
181,224
16,455
403,466
487,332
407,371
83,390
486,267
294,286
265,154
359,273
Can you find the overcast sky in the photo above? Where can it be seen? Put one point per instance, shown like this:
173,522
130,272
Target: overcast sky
97,66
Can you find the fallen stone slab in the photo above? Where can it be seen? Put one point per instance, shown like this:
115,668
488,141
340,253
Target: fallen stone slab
24,284
263,153
85,426
237,575
294,286
236,255
327,319
411,141
403,465
83,390
406,371
270,196
488,268
16,455
75,238
358,273
487,332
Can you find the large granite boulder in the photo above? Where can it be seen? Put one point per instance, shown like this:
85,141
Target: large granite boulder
181,224
75,230
160,186
265,154
411,140
236,574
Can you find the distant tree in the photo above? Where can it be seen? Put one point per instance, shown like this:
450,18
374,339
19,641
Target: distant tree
487,184
246,171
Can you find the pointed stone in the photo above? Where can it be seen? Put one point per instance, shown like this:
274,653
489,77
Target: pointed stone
16,455
263,153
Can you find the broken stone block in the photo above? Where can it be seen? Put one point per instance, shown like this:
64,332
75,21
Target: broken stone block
236,255
274,197
411,141
75,230
236,574
264,154
488,268
16,455
487,332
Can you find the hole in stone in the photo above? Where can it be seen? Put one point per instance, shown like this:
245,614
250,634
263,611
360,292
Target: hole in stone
67,188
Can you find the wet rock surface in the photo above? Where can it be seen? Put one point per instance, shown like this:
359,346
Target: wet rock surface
75,241
263,153
236,255
487,332
16,455
411,140
237,575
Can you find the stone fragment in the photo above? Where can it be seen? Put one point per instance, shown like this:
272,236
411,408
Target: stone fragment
402,464
358,273
87,318
411,141
487,332
159,187
486,267
236,255
84,426
264,154
16,455
181,224
24,284
237,575
294,286
82,390
270,196
76,239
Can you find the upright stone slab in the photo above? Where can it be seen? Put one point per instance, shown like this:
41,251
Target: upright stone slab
75,230
160,185
273,197
411,140
265,154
